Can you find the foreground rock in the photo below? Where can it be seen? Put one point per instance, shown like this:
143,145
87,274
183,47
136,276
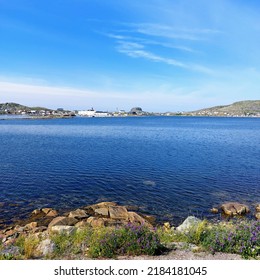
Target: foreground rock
46,221
190,222
62,221
46,247
214,210
68,230
234,209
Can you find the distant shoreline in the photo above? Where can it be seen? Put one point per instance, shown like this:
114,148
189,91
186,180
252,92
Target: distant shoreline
21,117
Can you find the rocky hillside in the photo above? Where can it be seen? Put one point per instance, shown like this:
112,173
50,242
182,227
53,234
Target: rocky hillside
15,108
242,108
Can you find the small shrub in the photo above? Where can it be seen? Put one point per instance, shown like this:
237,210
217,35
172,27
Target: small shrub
241,238
62,243
129,240
197,232
27,245
71,244
81,239
168,236
30,245
20,243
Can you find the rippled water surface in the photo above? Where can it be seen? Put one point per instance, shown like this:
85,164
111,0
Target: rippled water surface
168,166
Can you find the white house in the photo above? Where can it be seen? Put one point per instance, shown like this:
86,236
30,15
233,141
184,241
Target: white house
92,113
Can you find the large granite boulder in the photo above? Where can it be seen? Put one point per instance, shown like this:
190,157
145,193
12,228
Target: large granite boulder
62,221
134,218
102,211
49,212
234,208
68,230
188,223
101,205
95,222
118,212
78,214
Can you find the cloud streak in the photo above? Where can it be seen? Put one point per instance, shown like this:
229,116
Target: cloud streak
166,31
145,40
137,50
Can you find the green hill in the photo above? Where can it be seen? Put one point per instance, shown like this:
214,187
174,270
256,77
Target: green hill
15,108
241,108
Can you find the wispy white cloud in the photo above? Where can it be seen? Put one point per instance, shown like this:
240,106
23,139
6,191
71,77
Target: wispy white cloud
172,32
152,42
166,31
136,50
145,40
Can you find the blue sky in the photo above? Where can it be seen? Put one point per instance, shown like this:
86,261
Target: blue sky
161,55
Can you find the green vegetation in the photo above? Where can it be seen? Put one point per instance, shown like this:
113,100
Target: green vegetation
241,108
107,242
239,237
74,244
129,240
15,107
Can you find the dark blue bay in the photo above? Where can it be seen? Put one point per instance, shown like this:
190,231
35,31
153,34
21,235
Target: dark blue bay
168,166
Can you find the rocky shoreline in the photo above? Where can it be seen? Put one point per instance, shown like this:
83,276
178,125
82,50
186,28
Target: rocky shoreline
44,222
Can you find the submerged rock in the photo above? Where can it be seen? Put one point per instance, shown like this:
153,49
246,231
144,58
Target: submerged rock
149,183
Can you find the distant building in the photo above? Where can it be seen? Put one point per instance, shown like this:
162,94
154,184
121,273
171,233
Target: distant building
100,114
87,113
92,113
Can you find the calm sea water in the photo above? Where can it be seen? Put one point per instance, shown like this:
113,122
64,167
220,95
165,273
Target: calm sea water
170,167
